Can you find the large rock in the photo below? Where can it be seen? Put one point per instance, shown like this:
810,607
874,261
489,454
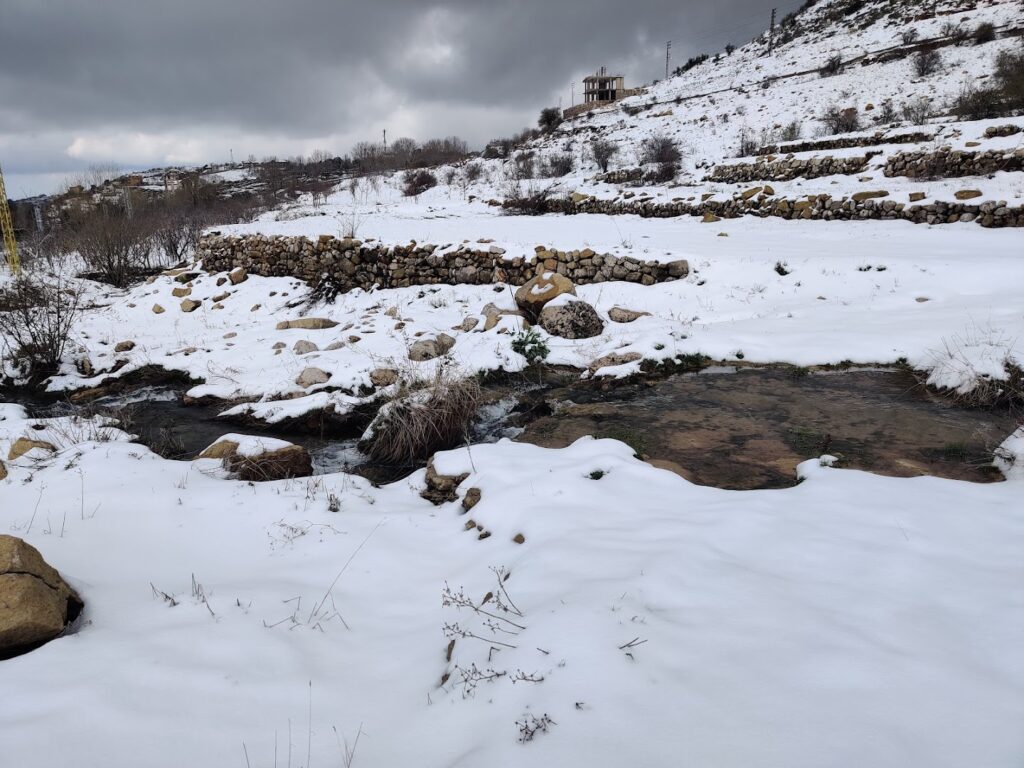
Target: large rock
532,296
3,471
428,349
621,315
310,377
238,275
189,305
441,488
572,320
304,347
36,604
260,459
383,377
306,324
23,445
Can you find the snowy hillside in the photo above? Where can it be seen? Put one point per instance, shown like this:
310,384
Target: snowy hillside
510,604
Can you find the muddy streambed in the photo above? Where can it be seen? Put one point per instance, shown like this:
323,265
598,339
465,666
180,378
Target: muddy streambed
730,428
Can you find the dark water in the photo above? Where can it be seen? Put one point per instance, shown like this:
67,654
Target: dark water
749,428
739,429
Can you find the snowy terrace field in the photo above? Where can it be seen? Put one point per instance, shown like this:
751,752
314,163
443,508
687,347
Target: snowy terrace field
514,605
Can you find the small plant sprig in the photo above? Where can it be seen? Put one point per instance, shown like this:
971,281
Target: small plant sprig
530,345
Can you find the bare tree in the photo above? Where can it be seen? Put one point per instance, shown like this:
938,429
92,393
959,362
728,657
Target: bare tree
119,248
37,313
603,151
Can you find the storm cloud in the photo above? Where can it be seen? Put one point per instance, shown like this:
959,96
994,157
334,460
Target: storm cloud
142,83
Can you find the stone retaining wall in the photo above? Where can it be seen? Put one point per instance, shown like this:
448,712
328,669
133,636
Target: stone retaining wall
949,164
817,207
789,168
846,142
353,264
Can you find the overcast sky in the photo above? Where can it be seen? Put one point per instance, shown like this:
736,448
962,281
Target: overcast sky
144,83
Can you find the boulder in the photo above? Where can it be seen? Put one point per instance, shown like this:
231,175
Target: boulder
537,292
158,310
306,324
23,445
310,377
916,197
471,499
383,377
124,346
304,347
968,194
181,293
190,305
681,267
3,471
238,275
36,604
573,320
710,218
428,349
620,315
862,196
259,459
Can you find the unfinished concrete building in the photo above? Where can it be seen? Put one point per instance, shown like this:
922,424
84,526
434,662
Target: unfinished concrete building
601,89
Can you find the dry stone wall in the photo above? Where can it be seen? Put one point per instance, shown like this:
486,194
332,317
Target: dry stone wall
755,202
949,164
352,264
789,168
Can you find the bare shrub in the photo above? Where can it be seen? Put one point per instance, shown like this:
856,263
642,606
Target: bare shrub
523,166
955,32
927,63
909,36
37,313
832,67
886,113
748,143
984,33
603,151
558,165
979,103
117,247
791,131
659,149
415,183
534,200
918,111
839,120
423,418
472,172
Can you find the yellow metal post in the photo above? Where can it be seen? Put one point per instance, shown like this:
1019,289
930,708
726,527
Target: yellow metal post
10,244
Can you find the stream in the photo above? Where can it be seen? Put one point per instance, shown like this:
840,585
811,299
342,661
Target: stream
734,428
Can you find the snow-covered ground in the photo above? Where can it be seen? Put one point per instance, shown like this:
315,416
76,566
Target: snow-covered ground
868,292
851,620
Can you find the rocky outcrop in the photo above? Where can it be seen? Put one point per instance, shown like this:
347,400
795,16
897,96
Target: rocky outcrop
36,604
441,488
255,463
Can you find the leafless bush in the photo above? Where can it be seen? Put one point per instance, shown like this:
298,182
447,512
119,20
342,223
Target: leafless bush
415,183
955,32
37,313
791,131
116,246
556,166
927,62
523,166
985,33
424,417
918,111
832,67
748,143
177,233
659,149
909,36
472,172
886,113
838,120
603,151
532,200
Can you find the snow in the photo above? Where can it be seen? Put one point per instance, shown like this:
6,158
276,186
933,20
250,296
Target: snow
840,622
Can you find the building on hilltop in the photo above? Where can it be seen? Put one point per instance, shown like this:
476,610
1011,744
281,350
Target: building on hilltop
599,90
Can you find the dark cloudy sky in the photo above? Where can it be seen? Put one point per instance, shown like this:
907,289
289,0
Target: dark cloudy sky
142,83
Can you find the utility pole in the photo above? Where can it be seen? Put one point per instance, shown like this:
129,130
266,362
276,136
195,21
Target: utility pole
771,34
385,140
668,57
